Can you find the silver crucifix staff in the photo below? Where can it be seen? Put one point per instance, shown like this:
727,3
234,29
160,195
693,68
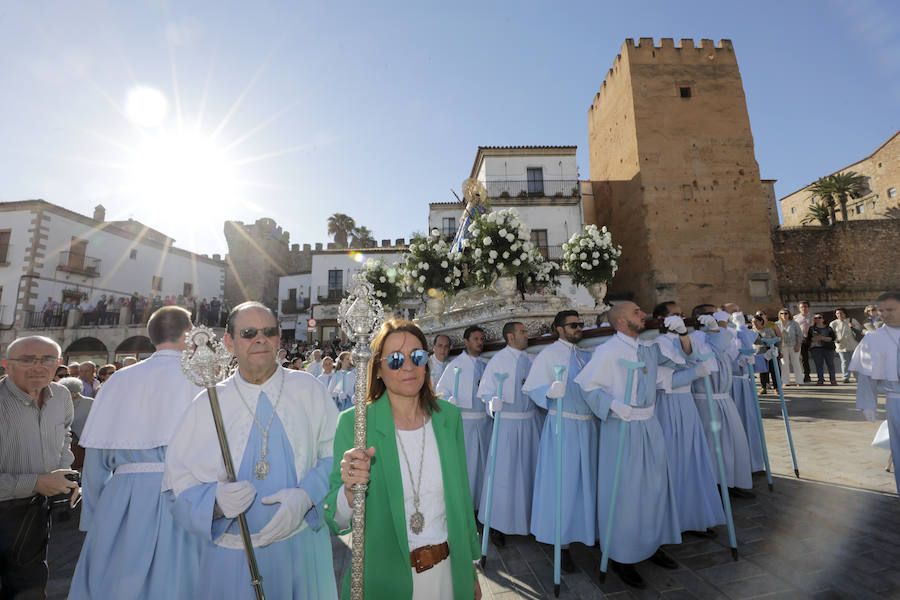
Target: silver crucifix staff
360,315
205,361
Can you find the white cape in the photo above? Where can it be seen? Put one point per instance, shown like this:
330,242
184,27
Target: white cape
466,364
505,361
876,354
305,409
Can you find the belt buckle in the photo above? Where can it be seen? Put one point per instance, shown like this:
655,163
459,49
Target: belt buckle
421,553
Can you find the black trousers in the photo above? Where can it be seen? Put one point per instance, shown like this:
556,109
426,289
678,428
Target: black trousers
804,359
24,534
767,378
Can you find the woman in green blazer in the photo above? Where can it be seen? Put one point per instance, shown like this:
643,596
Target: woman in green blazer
418,506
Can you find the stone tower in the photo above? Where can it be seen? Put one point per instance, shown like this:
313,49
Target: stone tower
258,254
675,178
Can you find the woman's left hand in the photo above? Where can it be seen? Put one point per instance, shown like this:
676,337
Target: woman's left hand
477,589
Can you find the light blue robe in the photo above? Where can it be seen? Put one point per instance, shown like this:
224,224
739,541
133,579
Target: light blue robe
735,449
867,390
518,437
693,477
742,393
646,508
476,425
299,567
347,379
160,560
580,444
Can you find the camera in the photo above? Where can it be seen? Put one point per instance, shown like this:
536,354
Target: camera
60,510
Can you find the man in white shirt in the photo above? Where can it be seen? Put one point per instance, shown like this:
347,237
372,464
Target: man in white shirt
804,317
459,385
437,362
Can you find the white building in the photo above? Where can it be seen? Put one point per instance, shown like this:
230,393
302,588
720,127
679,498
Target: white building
49,253
540,182
323,287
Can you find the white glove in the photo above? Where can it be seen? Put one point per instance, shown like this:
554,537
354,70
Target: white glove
767,355
675,324
557,390
774,352
234,498
335,393
869,413
496,404
621,409
702,370
295,503
708,321
737,318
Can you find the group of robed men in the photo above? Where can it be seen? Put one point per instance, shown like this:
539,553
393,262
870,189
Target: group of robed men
667,484
152,430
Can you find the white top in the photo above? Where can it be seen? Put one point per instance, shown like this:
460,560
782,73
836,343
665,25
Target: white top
140,406
876,354
431,495
436,368
308,416
604,372
466,363
542,372
505,361
667,343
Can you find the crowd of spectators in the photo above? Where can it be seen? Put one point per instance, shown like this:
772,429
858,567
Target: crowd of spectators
108,310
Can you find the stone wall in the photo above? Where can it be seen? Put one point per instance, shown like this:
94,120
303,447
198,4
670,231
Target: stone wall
845,264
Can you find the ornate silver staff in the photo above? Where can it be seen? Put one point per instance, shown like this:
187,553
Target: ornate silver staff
205,361
360,315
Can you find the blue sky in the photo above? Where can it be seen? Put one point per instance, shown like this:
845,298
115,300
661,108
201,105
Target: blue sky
299,110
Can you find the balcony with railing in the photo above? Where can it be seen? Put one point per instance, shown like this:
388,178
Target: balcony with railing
539,188
72,262
554,253
330,294
292,306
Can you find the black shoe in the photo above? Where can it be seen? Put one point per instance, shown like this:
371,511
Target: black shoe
663,560
498,538
565,561
740,493
628,574
709,533
807,379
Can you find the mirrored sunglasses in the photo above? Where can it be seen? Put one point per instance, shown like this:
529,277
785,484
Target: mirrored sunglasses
250,332
395,360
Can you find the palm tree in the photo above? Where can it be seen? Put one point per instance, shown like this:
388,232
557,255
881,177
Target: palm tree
361,237
818,211
838,189
341,226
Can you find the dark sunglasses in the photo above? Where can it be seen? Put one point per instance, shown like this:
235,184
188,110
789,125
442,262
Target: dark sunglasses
250,332
395,360
819,317
575,325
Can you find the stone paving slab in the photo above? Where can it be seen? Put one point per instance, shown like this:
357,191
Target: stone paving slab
833,534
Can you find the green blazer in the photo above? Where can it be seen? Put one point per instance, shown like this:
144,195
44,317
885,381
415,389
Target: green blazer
388,574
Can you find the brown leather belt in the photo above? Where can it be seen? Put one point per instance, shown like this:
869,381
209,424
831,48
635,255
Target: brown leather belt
426,557
18,502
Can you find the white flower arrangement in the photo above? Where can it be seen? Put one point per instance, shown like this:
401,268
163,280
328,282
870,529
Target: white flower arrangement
499,246
386,281
590,256
430,268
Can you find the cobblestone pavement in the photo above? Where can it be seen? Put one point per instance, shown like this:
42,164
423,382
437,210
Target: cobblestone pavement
834,533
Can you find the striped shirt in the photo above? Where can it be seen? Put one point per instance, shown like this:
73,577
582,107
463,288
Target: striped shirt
32,440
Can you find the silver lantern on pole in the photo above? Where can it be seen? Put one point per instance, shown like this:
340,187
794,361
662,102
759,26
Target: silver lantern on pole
360,315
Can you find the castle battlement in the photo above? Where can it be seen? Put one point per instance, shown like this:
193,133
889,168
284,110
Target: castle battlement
686,52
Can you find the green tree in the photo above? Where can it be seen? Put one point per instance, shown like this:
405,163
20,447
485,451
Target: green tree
837,189
818,211
361,237
341,226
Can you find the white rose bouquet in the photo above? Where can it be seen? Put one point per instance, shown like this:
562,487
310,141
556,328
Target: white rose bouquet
429,268
385,280
590,256
499,245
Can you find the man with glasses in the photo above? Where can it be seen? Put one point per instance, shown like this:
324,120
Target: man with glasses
519,430
280,427
580,442
35,458
459,385
876,362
